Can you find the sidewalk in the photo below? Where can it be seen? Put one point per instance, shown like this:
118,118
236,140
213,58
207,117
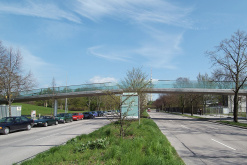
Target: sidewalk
221,117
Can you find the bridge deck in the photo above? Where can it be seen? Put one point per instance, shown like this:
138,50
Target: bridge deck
163,86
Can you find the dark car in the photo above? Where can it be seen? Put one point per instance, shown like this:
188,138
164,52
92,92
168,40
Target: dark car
77,116
94,113
88,115
64,117
45,121
100,113
10,124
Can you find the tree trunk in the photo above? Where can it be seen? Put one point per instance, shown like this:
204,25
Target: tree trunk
192,110
10,114
235,108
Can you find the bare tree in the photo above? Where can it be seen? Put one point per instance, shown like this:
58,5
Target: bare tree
12,78
230,60
182,82
136,81
204,81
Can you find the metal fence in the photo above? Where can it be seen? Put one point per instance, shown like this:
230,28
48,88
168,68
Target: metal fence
4,111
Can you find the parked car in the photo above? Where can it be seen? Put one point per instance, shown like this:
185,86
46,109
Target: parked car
10,124
88,115
104,113
45,121
149,110
95,113
100,113
77,116
64,117
109,112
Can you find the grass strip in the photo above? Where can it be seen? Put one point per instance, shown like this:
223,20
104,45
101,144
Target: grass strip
233,123
142,145
28,108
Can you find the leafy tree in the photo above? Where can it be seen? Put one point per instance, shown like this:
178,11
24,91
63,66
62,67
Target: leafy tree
230,60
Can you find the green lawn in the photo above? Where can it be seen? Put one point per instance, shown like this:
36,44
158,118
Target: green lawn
144,144
27,108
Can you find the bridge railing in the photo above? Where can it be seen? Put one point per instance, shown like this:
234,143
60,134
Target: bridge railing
114,86
194,84
69,89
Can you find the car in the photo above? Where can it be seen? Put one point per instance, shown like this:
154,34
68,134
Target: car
149,110
88,115
104,113
109,112
11,124
45,121
100,113
95,113
64,117
77,116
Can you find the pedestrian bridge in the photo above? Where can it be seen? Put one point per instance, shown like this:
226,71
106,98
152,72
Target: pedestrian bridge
161,86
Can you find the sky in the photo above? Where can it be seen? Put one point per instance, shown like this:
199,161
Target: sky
94,41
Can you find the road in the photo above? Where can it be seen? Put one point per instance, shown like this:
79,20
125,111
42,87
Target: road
18,146
203,142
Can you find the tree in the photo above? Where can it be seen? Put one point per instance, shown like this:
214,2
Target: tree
13,81
182,82
204,81
136,81
230,60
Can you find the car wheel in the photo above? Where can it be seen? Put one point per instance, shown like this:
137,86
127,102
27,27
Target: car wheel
64,122
46,124
56,123
6,131
29,127
77,119
72,120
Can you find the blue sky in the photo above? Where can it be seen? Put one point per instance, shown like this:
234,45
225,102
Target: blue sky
94,41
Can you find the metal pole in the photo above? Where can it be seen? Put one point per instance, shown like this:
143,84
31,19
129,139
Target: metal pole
66,106
55,107
139,109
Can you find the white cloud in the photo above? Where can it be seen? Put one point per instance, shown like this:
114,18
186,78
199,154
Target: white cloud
38,9
98,79
159,51
107,53
137,10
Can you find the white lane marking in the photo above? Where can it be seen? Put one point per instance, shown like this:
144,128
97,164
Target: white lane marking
223,144
184,126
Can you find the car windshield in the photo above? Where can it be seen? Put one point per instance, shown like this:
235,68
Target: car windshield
75,114
45,117
6,120
60,115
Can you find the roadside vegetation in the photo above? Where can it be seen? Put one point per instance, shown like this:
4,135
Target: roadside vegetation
233,123
141,144
27,108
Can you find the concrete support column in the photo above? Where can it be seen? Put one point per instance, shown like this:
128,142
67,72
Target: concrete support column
55,107
246,106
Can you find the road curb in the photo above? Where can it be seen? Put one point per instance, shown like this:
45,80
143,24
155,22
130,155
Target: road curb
227,124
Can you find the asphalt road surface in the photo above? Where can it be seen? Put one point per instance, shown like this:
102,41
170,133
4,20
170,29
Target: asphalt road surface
203,142
21,145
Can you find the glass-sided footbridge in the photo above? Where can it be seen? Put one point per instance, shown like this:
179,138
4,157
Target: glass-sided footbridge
161,86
